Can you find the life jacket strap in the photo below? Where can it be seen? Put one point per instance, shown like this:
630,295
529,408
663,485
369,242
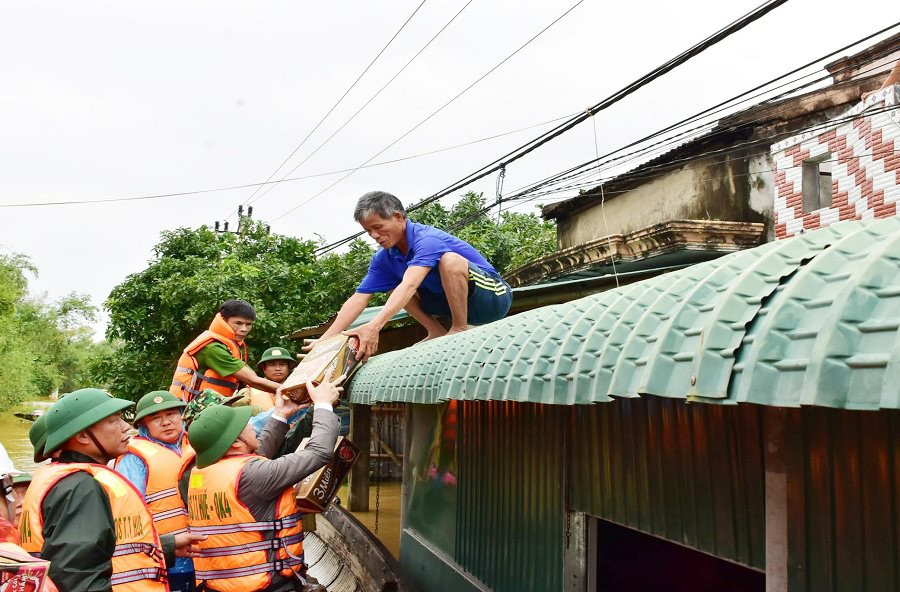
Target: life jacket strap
239,572
131,548
162,494
268,545
169,514
278,524
209,379
185,387
135,575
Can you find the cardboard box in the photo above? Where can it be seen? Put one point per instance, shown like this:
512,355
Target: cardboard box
316,491
19,571
330,357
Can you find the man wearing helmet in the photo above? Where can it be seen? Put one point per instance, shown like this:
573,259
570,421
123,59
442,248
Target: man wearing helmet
85,518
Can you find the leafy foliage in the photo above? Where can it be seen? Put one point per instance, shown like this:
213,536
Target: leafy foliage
43,344
517,239
155,313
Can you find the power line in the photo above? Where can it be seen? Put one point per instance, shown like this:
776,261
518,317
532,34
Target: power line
662,169
441,108
338,102
587,167
526,197
873,154
510,157
728,104
566,117
366,104
592,172
312,176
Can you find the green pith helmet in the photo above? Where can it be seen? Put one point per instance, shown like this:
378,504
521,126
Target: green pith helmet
276,353
205,399
37,434
214,431
156,401
78,411
21,479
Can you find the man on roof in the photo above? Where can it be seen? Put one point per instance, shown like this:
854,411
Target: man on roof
217,358
428,272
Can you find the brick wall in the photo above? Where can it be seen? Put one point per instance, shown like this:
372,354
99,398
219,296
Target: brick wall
864,144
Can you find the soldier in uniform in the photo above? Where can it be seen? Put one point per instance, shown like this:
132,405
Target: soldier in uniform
275,364
87,519
157,463
217,358
246,502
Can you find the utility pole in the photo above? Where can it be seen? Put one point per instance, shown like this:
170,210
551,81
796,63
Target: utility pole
222,226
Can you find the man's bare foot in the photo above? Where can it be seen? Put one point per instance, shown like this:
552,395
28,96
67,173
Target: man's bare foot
454,330
431,336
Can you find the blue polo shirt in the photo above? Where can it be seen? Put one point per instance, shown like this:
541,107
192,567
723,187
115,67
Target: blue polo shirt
425,245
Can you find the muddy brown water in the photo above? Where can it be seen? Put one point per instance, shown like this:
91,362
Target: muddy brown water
14,433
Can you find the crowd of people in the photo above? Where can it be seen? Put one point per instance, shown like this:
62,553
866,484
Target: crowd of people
197,491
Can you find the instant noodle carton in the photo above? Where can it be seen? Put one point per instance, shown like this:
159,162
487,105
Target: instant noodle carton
19,571
330,357
316,491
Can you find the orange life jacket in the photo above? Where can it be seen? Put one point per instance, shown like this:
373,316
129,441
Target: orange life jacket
164,469
241,553
262,399
189,381
138,564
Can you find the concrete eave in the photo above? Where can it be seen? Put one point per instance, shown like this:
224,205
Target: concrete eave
676,235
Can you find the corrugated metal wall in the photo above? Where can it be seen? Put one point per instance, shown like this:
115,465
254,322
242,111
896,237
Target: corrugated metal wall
692,474
844,500
510,513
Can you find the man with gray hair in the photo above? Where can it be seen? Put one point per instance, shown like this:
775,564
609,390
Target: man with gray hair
428,272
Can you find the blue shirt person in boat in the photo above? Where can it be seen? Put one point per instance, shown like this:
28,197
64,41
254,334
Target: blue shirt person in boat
428,272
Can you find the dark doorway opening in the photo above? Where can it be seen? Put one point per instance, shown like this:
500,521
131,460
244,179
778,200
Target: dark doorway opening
632,561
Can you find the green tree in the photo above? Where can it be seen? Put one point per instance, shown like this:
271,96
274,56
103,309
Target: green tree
15,363
516,240
42,343
155,313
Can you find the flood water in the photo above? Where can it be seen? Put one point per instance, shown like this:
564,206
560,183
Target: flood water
14,434
388,514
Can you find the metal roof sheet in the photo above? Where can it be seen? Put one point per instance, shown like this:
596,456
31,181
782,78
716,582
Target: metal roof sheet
811,320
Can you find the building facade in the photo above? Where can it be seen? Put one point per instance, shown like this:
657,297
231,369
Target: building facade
848,169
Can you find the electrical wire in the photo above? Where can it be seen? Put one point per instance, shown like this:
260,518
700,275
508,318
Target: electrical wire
725,105
666,67
646,172
366,104
312,176
439,109
738,147
343,96
663,169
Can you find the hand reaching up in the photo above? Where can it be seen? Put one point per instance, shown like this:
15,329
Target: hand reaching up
327,391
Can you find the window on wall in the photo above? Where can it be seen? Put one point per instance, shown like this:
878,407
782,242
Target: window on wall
817,183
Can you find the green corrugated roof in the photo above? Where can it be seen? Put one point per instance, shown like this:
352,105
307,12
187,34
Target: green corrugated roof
369,313
811,320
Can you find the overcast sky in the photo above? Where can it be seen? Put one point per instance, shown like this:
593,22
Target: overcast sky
118,99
